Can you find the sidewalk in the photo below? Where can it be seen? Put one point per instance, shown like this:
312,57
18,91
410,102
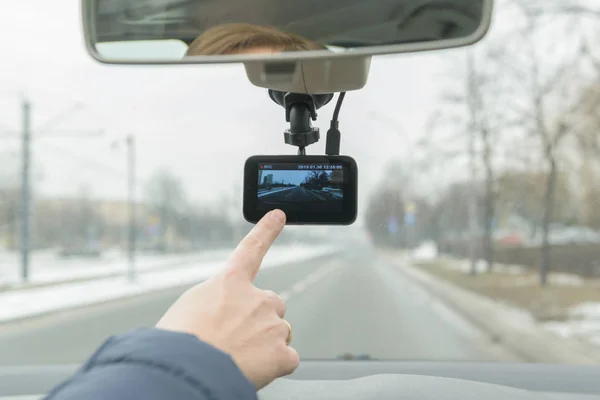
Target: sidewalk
19,304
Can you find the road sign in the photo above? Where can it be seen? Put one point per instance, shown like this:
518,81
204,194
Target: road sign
392,225
153,230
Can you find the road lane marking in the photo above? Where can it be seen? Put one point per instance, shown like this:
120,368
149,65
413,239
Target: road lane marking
299,286
309,280
285,296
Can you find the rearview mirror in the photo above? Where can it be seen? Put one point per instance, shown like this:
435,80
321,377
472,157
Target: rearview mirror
226,31
293,46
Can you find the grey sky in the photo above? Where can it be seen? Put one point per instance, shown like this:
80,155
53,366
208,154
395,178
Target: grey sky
195,120
192,119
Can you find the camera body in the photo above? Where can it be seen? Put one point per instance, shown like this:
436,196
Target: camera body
311,190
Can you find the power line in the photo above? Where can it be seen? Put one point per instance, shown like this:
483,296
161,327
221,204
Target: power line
90,164
27,135
85,162
60,117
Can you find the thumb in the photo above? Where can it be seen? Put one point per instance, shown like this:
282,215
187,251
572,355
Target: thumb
246,259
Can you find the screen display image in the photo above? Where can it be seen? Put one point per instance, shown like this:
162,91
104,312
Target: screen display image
320,190
285,185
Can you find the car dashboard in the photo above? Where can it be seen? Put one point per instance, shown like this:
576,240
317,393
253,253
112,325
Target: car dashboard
379,380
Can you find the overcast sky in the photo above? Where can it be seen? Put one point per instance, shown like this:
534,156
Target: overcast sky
200,121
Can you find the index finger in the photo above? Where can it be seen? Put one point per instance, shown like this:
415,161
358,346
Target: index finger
246,259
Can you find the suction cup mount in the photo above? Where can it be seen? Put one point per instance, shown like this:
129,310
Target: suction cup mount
300,110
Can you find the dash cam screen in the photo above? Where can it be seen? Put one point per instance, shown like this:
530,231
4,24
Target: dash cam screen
287,184
309,189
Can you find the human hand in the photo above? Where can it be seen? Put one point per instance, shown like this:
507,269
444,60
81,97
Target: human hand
230,313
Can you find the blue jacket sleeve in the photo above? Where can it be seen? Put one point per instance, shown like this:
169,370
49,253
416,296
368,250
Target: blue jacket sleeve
153,364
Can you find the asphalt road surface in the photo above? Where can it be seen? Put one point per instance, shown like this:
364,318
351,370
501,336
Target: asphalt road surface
352,303
297,194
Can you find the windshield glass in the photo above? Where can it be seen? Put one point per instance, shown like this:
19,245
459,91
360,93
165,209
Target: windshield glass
478,230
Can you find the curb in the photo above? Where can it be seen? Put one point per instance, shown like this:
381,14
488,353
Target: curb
511,327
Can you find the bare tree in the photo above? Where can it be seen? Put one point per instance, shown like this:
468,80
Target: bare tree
166,194
588,118
564,7
547,85
578,13
479,121
587,130
481,124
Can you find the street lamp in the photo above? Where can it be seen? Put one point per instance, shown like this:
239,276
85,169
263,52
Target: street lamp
131,184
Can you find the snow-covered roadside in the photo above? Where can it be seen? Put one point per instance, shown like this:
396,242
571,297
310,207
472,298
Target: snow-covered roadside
583,324
584,319
47,268
464,265
22,304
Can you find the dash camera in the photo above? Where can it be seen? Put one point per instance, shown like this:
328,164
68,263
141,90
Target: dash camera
311,190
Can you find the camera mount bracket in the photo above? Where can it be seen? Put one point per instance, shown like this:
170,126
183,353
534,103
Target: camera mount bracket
300,110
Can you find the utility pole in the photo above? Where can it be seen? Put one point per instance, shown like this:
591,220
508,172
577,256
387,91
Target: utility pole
26,136
131,184
25,189
472,201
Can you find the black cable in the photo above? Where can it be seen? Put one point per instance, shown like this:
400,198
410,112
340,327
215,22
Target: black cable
338,106
332,144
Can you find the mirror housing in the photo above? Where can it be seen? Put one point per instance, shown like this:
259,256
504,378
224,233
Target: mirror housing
334,40
318,76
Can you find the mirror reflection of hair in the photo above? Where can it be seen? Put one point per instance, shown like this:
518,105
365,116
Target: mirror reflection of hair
241,38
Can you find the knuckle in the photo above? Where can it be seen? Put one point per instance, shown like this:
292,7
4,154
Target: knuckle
271,299
276,299
283,329
266,299
277,329
281,306
294,359
287,359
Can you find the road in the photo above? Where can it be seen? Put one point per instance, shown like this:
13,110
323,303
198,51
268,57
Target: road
295,199
294,195
353,303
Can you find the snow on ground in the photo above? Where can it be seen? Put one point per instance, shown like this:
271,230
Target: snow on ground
27,303
583,323
426,251
554,278
47,267
464,265
584,320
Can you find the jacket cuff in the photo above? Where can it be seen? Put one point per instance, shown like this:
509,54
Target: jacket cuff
205,367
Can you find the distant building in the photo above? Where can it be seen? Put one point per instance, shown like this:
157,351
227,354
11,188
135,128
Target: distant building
268,181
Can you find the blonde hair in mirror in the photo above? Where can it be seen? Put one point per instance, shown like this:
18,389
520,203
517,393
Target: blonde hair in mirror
240,38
